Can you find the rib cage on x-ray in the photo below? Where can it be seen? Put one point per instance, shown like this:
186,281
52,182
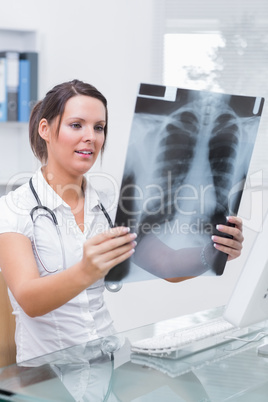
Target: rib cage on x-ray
179,145
173,161
186,164
223,149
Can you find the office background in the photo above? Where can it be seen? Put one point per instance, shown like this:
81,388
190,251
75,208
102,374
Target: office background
117,44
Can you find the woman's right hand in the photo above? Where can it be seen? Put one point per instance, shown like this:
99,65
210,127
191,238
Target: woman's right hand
40,295
104,251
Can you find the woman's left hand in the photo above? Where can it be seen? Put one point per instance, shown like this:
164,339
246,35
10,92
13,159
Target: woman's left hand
232,246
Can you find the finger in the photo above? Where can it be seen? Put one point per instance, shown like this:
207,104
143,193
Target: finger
109,234
118,260
231,252
93,251
227,242
111,257
235,232
228,246
236,221
114,257
117,242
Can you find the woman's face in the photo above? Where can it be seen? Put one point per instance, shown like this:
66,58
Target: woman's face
81,136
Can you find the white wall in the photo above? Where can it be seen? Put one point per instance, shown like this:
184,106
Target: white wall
110,44
106,43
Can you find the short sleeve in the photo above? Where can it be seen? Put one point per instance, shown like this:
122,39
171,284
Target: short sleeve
14,214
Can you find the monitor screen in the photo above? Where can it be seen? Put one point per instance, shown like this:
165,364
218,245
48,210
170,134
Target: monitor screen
248,303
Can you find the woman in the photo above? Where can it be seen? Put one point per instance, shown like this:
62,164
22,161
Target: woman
57,307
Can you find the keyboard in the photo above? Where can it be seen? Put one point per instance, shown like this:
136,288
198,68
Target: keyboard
181,342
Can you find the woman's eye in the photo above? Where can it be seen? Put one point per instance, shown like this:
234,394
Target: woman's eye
99,128
76,125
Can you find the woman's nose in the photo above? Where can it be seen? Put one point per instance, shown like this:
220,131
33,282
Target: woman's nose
89,134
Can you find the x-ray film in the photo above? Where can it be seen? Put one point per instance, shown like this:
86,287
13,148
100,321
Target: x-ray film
187,160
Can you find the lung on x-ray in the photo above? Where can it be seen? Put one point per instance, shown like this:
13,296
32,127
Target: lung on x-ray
186,164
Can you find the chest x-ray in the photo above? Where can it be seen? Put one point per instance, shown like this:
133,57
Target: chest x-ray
186,164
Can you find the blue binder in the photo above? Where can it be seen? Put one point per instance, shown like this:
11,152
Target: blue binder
3,90
12,83
32,58
24,91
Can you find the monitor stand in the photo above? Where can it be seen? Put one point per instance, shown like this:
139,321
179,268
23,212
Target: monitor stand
263,350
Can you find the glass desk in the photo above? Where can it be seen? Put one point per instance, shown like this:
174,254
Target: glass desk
106,370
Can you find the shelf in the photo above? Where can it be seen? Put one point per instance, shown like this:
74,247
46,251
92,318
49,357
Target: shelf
12,125
21,40
17,161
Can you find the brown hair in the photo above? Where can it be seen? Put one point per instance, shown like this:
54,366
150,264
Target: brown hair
52,106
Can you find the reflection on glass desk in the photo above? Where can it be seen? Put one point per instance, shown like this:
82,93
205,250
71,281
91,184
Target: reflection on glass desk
107,370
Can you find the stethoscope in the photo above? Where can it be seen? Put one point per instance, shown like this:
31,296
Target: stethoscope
111,286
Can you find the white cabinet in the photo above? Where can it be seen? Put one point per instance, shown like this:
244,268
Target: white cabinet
16,158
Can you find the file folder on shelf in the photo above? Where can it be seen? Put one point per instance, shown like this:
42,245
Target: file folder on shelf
12,83
24,91
3,96
32,58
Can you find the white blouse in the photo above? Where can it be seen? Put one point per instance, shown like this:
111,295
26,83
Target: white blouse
83,318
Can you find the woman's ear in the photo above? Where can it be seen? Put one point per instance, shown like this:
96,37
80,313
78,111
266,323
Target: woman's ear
44,130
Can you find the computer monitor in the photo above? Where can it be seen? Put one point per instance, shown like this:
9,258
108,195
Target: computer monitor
248,303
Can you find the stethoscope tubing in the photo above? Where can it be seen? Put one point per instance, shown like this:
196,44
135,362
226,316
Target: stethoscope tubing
111,286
